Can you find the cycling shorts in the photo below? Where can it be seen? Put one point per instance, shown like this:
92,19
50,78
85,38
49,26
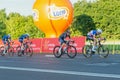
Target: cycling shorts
62,41
21,40
90,37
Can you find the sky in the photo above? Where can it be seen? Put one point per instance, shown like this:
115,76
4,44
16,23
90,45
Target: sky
24,7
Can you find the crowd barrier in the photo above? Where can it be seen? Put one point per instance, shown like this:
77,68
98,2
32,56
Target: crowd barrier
46,45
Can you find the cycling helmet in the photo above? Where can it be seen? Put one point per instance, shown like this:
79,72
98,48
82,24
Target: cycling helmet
9,36
27,35
68,31
99,30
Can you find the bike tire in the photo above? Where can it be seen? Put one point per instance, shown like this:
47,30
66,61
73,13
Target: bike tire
18,50
103,51
56,52
11,51
28,51
87,51
71,51
2,50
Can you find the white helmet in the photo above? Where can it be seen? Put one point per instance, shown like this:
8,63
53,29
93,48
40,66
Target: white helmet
9,35
99,30
27,34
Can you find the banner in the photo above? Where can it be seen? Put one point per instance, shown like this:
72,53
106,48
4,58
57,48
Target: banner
46,45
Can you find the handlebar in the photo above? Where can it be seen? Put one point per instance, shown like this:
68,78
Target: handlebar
70,41
101,39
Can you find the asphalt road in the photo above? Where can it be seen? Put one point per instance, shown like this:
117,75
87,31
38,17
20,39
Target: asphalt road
47,67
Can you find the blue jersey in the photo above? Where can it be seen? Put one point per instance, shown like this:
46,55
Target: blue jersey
64,35
92,32
6,37
22,37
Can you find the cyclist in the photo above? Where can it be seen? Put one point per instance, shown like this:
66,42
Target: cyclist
62,38
92,35
6,41
23,39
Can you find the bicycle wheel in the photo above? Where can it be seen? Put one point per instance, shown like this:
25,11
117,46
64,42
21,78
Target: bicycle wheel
2,50
56,52
87,51
71,51
28,51
11,51
19,52
103,51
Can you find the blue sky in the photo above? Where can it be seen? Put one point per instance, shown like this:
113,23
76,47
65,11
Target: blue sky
24,7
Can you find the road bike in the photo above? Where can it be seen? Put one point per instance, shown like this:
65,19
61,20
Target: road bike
26,50
7,50
68,49
101,50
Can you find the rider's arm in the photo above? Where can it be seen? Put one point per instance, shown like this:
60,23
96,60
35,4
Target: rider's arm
24,40
69,37
94,37
9,39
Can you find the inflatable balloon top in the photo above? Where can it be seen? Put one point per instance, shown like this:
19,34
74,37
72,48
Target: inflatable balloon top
53,17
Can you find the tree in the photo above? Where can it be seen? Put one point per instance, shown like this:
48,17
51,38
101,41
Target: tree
2,22
102,14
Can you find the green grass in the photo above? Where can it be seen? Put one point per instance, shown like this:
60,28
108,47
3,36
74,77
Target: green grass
114,49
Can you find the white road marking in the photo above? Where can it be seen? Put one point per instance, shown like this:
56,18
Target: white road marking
49,55
63,72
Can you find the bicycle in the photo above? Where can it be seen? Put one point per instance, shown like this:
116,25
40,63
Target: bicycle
28,50
101,49
8,50
69,49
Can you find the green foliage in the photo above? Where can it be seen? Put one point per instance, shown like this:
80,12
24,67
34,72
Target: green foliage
102,14
2,22
18,25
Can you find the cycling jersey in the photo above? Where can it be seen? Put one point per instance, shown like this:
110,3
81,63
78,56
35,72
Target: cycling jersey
22,37
62,37
6,39
91,34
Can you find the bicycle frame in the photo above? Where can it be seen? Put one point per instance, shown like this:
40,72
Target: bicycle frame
68,49
101,50
67,44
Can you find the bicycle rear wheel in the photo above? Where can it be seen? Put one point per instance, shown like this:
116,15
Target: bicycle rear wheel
56,52
87,51
103,51
71,51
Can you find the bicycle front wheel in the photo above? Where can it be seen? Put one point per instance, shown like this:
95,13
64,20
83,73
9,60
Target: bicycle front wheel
71,51
87,51
18,50
11,51
28,51
56,52
103,51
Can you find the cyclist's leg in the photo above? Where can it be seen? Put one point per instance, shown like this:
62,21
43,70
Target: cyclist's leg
21,42
62,43
94,45
5,47
92,42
